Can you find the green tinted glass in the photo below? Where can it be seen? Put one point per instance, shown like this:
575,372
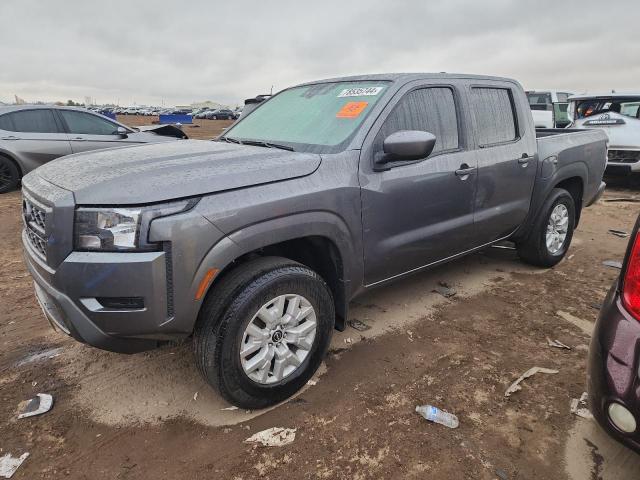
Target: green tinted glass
323,115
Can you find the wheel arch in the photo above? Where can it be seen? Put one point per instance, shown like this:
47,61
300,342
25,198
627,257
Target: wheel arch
12,158
318,240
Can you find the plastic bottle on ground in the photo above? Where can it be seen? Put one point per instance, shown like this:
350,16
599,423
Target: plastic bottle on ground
434,414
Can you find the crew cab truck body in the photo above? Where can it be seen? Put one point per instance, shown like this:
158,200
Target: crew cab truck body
254,244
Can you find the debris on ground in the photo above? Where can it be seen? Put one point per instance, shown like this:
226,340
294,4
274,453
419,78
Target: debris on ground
619,233
42,355
579,407
38,405
231,408
596,306
273,437
557,344
501,474
622,199
515,386
435,415
9,464
195,396
612,264
348,340
358,325
311,383
445,290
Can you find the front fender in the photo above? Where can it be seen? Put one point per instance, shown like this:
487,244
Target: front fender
264,234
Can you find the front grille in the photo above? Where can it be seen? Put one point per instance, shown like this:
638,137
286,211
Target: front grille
35,218
624,156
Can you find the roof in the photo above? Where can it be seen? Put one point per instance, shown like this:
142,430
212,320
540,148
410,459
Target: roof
584,96
407,77
14,108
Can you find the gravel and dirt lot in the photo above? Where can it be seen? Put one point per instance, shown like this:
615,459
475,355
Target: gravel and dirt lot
200,129
152,416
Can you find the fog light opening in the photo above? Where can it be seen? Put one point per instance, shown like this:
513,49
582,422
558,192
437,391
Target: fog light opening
622,418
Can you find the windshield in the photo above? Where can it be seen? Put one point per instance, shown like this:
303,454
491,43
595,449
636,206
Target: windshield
593,106
318,118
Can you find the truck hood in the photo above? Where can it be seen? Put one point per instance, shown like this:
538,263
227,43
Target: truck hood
166,171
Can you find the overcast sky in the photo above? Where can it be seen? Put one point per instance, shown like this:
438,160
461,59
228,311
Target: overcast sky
178,52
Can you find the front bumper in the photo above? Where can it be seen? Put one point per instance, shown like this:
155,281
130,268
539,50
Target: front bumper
86,277
613,375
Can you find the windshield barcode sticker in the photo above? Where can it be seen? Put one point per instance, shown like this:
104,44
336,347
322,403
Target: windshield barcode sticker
360,92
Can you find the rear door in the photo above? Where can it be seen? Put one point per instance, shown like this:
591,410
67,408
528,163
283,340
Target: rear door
507,158
418,212
34,136
91,132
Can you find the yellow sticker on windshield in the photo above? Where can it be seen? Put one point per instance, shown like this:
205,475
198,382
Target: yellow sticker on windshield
351,109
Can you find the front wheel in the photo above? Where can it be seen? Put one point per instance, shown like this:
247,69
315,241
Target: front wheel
9,175
263,332
552,232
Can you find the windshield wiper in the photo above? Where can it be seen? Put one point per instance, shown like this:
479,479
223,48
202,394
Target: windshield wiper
260,143
230,140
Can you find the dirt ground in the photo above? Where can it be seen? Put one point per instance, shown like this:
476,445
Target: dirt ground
151,416
200,129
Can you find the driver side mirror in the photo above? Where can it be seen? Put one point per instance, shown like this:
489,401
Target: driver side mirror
122,132
407,145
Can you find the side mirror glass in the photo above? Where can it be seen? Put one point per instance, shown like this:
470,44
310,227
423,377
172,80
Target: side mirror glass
122,132
407,145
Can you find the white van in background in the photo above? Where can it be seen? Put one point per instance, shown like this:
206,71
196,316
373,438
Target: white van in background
618,114
549,108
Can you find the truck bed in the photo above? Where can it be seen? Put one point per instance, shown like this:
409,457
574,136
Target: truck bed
585,150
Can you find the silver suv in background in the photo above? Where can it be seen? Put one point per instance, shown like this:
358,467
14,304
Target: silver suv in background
35,134
618,114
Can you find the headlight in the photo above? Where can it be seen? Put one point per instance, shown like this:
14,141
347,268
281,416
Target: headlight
121,229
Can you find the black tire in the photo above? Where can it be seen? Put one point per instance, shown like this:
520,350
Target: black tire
9,175
232,304
533,249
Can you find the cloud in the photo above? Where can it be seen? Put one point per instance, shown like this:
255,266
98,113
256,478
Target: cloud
171,52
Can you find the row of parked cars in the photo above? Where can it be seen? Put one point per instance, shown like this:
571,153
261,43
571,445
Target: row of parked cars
208,113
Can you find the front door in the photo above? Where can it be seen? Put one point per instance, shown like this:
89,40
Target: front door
420,212
91,132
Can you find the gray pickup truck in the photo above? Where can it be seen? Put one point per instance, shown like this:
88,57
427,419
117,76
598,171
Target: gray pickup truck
254,244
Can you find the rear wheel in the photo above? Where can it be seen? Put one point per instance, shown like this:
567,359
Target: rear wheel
263,332
9,175
552,232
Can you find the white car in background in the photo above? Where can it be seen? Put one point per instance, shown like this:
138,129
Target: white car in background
618,114
549,108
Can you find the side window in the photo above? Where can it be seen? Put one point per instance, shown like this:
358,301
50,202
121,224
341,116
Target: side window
85,123
30,121
430,110
563,97
494,113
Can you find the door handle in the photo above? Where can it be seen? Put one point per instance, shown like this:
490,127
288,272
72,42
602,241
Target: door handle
10,137
464,171
524,160
79,139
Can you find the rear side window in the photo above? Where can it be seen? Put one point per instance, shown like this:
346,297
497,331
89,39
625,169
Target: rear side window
85,123
430,110
494,113
29,121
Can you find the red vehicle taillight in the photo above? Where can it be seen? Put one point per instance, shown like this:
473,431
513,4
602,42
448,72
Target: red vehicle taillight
631,281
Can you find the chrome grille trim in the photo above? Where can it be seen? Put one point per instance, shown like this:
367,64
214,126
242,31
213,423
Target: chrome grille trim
34,217
624,156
